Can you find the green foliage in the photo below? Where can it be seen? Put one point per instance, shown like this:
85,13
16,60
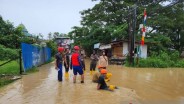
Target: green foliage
127,60
53,46
180,63
174,55
152,62
10,68
11,37
163,60
168,26
101,24
108,20
8,71
32,70
6,79
7,53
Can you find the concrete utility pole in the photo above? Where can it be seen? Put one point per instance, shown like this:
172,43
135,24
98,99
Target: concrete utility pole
132,26
131,38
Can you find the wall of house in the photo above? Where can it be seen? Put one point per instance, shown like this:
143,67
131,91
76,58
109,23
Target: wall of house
117,51
125,48
143,52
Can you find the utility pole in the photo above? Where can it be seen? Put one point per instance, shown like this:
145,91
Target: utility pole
134,31
130,37
132,26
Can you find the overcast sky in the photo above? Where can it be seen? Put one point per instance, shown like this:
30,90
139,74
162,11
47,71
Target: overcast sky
44,16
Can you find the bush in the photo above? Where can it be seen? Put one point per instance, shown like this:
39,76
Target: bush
8,71
7,53
174,55
163,56
163,60
152,62
53,46
180,63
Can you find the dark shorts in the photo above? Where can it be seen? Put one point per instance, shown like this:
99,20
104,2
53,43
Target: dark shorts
92,66
77,69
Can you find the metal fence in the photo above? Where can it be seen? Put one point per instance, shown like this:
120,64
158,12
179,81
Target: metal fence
34,56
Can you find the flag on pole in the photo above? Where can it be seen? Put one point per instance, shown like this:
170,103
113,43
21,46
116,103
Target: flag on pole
142,40
144,27
145,16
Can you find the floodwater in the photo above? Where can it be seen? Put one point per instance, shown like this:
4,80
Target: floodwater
152,85
136,86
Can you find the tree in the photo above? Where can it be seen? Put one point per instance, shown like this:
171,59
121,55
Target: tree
50,36
56,34
108,20
40,35
11,37
167,22
51,44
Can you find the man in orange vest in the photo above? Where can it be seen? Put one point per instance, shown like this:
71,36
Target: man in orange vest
76,64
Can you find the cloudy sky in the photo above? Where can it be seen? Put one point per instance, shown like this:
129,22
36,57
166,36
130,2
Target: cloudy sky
44,16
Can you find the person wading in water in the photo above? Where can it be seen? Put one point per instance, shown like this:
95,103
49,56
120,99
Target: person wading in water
67,62
76,64
103,60
94,60
59,61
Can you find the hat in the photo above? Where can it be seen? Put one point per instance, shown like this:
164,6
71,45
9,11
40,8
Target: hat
60,49
76,47
103,71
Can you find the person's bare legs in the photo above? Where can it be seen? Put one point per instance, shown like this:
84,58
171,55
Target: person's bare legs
74,78
82,78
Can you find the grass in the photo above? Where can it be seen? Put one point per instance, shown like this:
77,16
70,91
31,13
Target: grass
11,69
6,79
8,71
32,70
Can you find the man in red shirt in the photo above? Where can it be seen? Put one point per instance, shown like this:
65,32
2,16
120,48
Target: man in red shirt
77,64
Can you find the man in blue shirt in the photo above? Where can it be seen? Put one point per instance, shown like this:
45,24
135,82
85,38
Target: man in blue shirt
59,62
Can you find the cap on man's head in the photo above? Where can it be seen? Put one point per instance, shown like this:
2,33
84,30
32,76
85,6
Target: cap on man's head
76,47
103,71
60,49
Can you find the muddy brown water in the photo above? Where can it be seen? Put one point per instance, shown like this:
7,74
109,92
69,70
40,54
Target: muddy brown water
136,86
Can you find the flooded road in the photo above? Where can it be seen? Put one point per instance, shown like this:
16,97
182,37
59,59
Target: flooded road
136,86
153,85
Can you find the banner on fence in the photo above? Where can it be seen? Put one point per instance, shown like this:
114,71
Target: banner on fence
34,56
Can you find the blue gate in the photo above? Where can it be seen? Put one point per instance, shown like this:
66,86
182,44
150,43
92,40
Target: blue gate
34,56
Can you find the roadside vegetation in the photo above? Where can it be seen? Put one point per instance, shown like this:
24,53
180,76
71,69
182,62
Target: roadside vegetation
9,72
10,46
108,21
161,60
